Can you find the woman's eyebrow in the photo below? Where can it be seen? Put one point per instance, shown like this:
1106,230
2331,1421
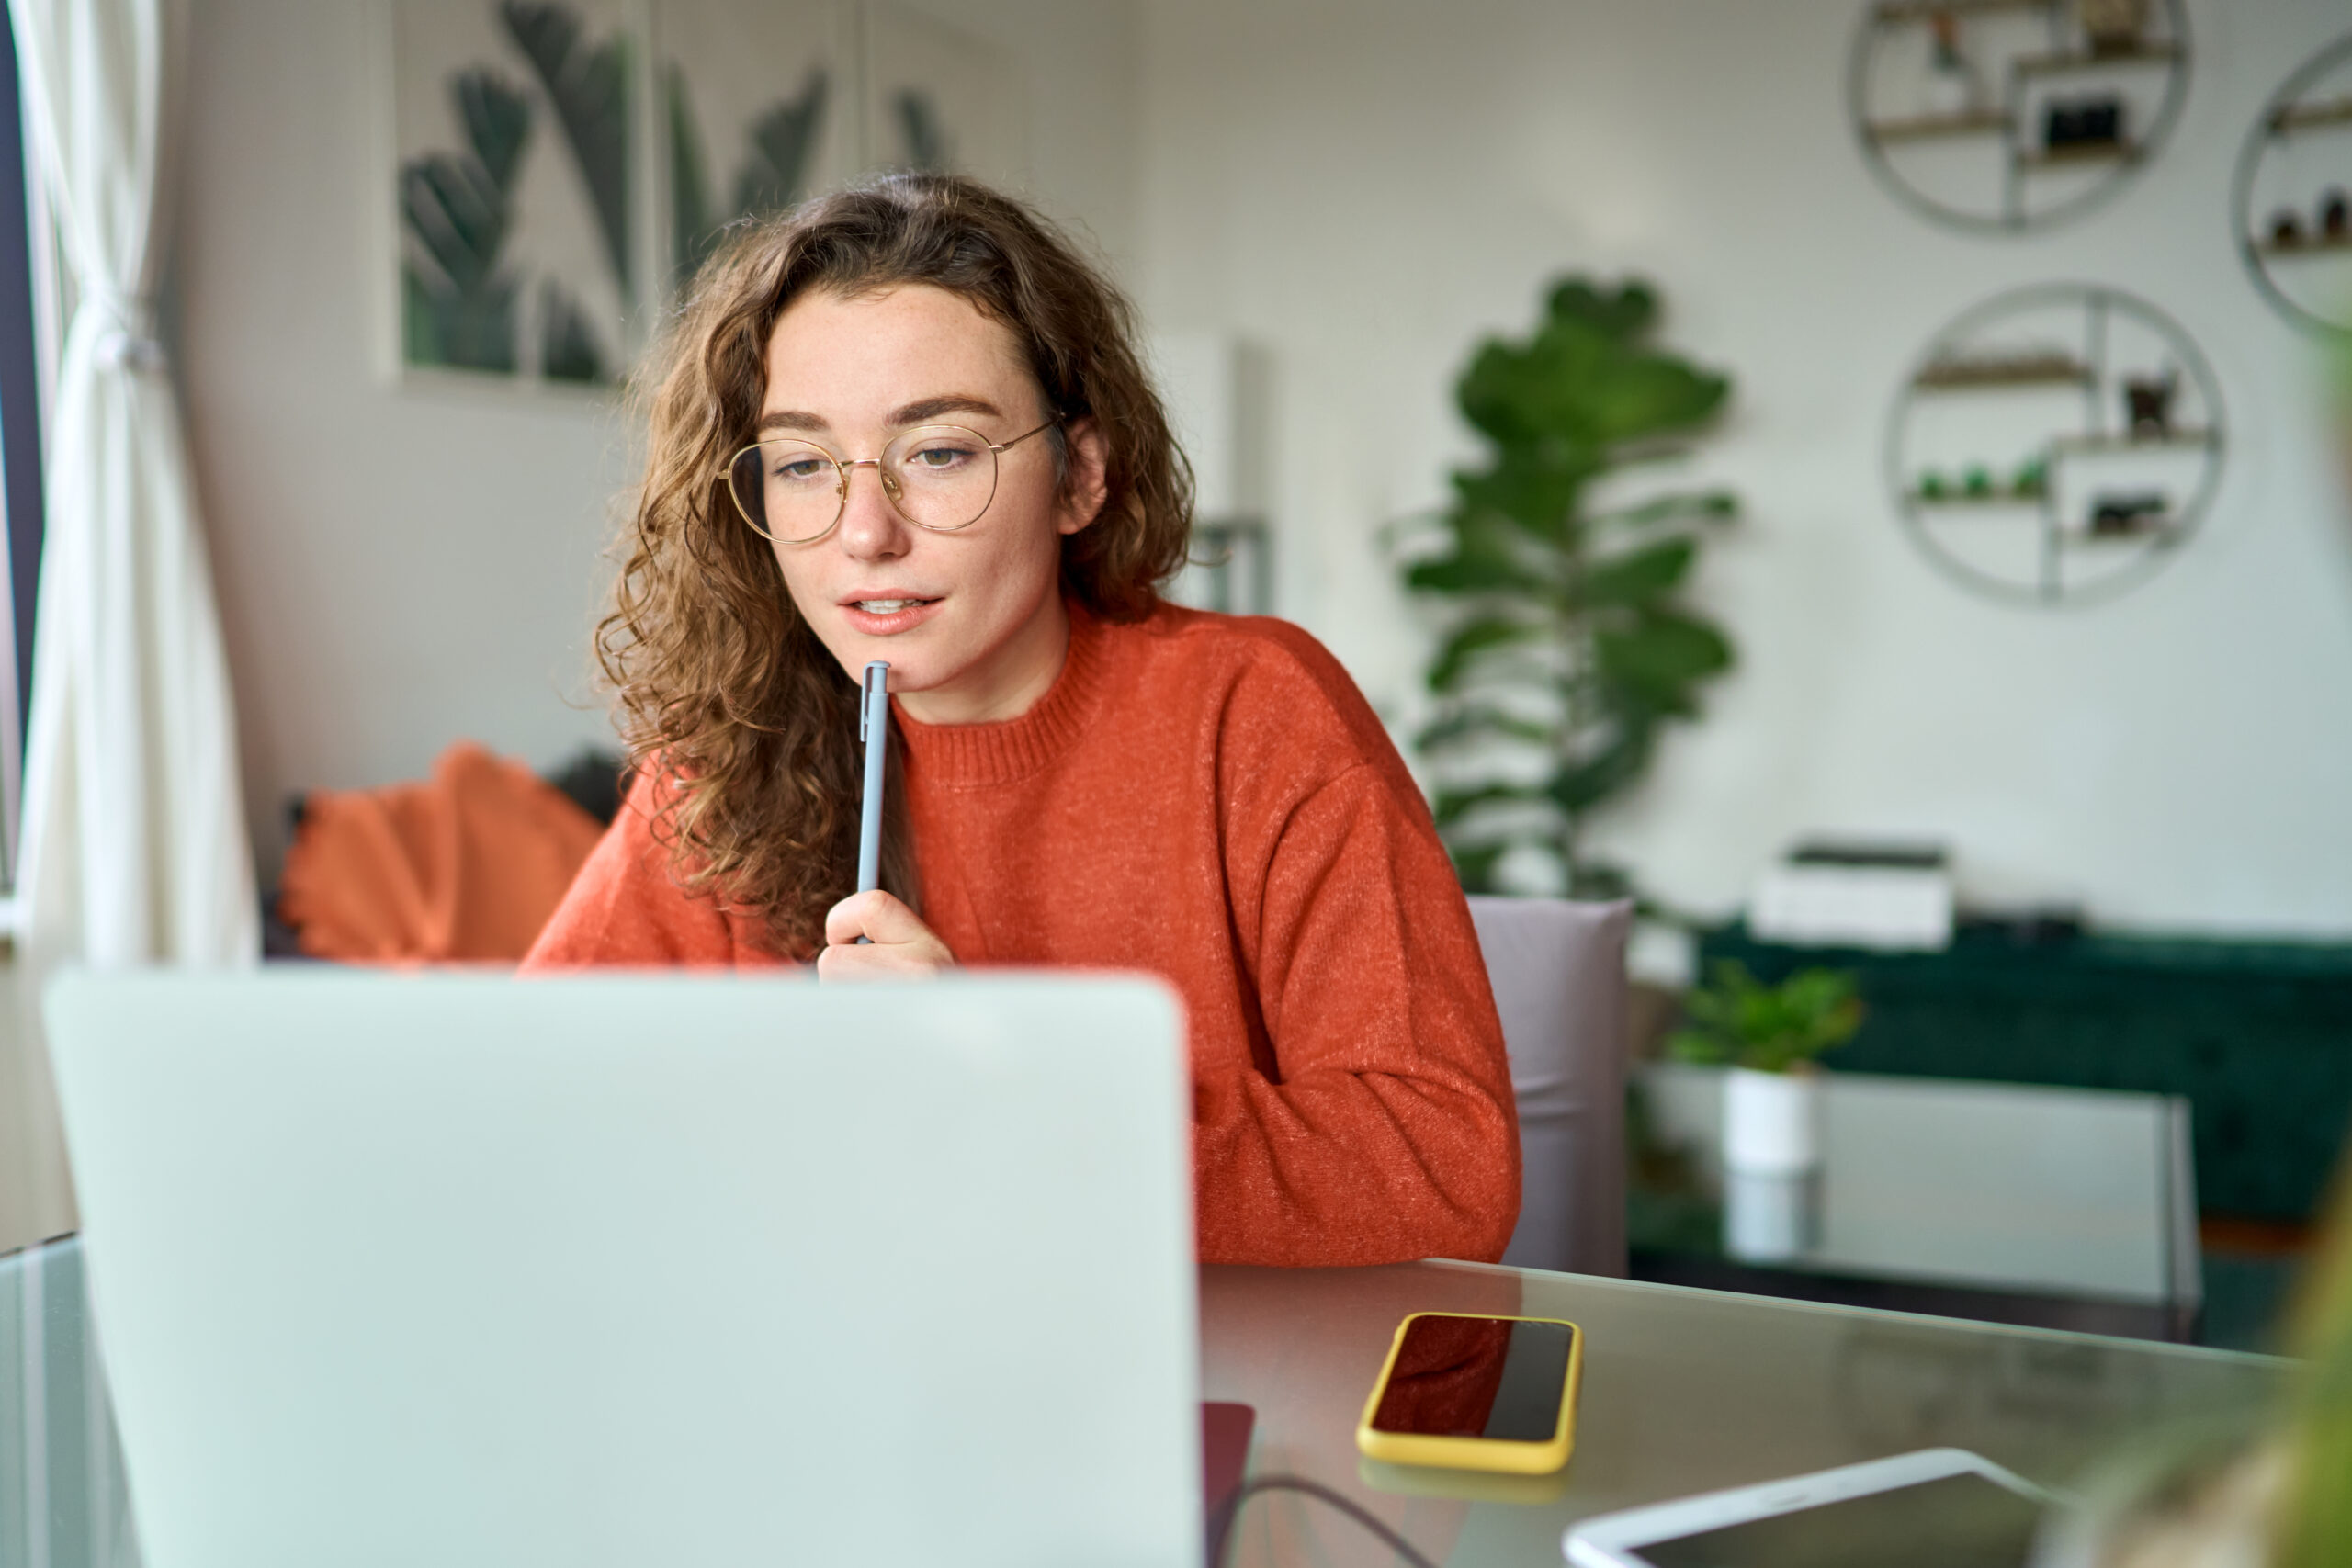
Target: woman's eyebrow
912,413
931,408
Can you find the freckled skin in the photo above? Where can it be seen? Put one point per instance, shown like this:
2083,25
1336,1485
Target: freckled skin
994,639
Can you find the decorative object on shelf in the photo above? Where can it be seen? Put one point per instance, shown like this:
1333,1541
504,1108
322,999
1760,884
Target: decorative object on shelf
2048,112
1889,898
2147,402
2114,27
2292,168
1569,645
1771,1038
2127,467
1953,87
2075,125
2126,517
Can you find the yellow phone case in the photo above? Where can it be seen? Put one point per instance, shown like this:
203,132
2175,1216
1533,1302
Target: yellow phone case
1475,1453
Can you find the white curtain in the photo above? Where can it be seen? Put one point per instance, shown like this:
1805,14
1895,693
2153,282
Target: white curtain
134,834
133,844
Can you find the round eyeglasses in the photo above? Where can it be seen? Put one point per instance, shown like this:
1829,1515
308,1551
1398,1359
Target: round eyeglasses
940,477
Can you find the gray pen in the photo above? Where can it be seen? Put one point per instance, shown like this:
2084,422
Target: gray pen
874,728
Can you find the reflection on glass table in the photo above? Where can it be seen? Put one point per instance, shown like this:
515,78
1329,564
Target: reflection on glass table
2044,1207
1683,1391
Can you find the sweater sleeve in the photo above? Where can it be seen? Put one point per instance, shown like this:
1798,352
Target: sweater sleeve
1383,1128
625,910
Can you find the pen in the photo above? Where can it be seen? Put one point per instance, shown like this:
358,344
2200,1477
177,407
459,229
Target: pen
874,728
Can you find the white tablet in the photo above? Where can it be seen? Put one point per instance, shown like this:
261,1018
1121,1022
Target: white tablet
1936,1508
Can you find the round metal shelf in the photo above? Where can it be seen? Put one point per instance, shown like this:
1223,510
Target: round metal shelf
2309,281
1980,166
2056,444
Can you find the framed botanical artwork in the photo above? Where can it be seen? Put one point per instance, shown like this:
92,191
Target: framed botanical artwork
938,98
758,113
518,211
559,168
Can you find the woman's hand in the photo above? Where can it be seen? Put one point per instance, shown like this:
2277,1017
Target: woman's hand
902,947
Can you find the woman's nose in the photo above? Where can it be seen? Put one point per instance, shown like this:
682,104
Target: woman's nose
871,528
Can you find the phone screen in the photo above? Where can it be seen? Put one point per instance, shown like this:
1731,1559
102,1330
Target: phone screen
1954,1521
1477,1376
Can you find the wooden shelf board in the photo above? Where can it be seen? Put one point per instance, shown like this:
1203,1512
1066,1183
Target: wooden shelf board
2179,440
2085,152
2163,529
1999,501
1895,11
2306,117
1962,377
2317,246
1928,127
2076,63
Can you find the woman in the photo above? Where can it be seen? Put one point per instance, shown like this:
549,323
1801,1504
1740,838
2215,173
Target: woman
907,423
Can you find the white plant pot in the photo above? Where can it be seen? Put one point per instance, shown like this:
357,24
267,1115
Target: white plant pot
1771,1163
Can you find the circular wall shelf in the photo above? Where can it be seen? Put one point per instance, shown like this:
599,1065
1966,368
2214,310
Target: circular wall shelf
2004,115
2293,194
2056,444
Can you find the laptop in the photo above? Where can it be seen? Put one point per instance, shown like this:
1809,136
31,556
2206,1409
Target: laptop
467,1270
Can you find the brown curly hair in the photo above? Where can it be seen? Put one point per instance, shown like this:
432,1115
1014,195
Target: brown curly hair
724,694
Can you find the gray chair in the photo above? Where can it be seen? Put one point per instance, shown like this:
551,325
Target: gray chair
1558,970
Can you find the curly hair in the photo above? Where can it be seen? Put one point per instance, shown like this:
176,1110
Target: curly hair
724,694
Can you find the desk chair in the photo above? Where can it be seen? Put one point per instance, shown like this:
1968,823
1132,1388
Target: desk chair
1558,970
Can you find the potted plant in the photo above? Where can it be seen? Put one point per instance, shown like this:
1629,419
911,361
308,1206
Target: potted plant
1569,636
1771,1038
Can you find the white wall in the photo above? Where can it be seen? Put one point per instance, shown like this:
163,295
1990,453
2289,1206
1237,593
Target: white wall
1366,185
399,568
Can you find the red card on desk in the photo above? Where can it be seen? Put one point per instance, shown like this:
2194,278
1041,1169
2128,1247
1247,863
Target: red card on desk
1225,1455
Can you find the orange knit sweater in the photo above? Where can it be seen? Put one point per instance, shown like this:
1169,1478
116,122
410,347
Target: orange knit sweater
1209,799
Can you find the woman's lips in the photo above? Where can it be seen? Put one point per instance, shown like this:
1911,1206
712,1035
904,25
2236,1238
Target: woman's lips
868,615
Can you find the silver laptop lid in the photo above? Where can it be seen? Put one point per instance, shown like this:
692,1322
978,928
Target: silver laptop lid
627,1270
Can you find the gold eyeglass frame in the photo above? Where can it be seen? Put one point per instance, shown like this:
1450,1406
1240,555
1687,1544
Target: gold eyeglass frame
842,468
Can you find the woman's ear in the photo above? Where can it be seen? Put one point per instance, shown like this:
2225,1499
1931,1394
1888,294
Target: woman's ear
1087,481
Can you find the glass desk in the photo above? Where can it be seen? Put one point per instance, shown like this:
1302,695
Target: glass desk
1683,1391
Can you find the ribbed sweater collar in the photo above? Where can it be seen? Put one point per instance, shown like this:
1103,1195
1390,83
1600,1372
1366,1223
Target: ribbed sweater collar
963,755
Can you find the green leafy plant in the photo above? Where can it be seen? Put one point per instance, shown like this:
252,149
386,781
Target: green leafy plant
588,85
1738,1020
2317,1529
457,301
1570,637
919,129
568,349
774,174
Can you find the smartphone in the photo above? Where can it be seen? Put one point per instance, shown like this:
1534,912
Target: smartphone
1469,1392
1935,1508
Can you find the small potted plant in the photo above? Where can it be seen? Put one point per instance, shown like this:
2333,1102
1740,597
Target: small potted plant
1770,1037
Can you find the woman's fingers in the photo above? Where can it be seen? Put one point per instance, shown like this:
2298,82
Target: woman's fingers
898,945
875,916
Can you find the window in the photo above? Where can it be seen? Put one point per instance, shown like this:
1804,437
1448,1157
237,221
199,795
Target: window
20,448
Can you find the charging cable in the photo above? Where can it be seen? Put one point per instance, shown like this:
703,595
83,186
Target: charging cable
1221,1531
